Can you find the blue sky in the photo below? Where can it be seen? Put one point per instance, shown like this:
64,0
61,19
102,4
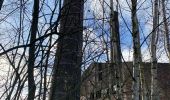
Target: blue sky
145,25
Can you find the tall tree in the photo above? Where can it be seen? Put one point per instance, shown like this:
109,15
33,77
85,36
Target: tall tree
137,63
115,52
154,81
67,67
31,59
166,28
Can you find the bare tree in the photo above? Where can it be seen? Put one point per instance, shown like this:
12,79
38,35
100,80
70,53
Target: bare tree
154,77
116,61
48,39
67,67
137,52
31,59
166,28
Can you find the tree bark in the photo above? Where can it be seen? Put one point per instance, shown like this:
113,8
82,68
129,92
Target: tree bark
116,62
67,64
166,29
31,59
138,75
154,81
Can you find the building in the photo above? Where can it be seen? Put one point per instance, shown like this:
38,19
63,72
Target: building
97,83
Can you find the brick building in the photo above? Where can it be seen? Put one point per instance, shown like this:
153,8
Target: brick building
96,81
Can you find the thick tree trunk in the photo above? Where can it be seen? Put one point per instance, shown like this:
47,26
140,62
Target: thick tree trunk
31,59
118,59
154,81
138,73
116,63
67,67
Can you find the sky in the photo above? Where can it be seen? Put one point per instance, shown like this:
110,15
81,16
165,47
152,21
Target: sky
145,20
93,9
96,34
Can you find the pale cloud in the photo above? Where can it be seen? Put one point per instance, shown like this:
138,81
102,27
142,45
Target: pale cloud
146,56
127,54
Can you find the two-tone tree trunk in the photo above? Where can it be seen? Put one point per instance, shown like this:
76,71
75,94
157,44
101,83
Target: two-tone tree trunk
166,28
116,63
67,65
138,84
154,81
31,59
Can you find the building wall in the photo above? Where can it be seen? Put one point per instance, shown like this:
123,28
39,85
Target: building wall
97,81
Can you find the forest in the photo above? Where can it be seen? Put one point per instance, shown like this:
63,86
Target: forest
68,49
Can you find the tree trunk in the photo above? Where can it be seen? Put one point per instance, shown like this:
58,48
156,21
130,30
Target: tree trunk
31,59
166,29
67,64
116,63
138,84
154,81
1,2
